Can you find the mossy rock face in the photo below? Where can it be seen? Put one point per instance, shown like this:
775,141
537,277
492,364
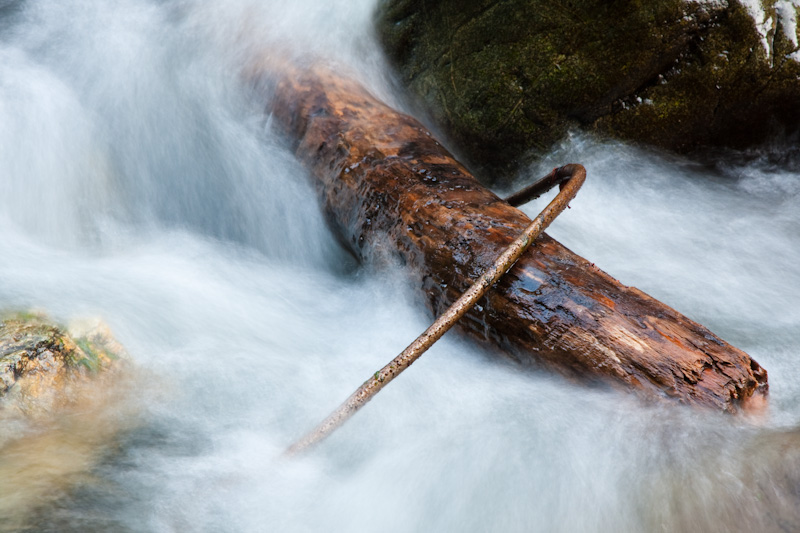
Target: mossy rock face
39,360
65,396
507,78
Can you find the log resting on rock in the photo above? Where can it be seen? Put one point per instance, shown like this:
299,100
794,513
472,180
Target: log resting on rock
385,182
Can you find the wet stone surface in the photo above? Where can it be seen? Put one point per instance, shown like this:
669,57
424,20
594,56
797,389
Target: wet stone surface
508,79
39,359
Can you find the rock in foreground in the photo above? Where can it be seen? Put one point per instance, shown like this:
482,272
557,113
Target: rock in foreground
63,403
39,361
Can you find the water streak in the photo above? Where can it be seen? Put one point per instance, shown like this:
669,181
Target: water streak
139,183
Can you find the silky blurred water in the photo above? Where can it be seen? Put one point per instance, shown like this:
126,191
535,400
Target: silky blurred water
139,183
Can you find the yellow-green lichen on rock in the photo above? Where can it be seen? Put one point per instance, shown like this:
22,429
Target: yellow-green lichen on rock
64,399
506,79
40,361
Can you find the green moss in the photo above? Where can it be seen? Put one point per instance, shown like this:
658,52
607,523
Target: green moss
505,78
25,337
22,316
91,355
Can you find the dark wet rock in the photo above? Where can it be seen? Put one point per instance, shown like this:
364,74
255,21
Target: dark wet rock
508,78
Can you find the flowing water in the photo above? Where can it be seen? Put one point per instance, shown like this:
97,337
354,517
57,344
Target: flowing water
139,183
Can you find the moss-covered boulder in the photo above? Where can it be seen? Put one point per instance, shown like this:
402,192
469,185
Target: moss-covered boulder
507,78
41,361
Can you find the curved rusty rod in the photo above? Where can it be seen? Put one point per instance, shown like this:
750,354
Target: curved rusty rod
571,178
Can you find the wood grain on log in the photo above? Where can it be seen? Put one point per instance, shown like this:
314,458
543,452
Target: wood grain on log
384,181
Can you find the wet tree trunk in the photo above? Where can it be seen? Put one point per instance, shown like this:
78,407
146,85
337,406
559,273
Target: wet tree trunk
387,185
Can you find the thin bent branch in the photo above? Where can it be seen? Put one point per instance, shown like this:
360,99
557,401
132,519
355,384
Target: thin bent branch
571,177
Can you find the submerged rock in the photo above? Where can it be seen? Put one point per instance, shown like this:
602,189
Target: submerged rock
749,484
63,403
508,78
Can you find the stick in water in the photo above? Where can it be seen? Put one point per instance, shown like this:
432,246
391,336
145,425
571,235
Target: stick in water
570,177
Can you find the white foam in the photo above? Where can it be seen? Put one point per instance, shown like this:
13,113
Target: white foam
213,266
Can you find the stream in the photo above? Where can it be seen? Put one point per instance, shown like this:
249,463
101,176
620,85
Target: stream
140,183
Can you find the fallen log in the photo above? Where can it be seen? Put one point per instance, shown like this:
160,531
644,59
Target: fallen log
386,184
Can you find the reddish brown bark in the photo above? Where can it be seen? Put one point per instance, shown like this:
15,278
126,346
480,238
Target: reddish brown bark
385,182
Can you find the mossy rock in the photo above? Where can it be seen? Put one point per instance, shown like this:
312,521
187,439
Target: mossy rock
506,79
40,360
65,397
